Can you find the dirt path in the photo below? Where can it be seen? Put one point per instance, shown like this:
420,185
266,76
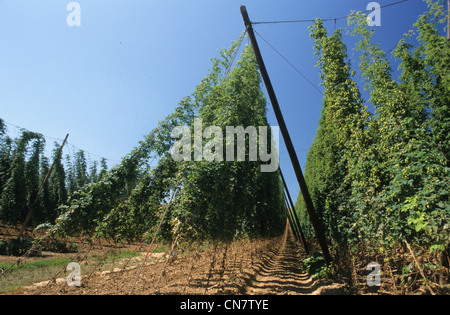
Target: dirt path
244,268
280,273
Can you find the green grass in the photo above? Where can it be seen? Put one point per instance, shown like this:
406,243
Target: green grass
32,265
27,273
30,272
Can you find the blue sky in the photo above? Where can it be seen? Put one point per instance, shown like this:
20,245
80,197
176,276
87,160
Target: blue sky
109,81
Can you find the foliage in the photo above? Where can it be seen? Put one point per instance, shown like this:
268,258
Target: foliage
213,199
382,176
315,265
15,247
57,246
330,155
23,168
20,188
21,246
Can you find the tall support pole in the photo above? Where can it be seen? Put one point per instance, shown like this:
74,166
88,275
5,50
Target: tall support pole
30,211
294,214
293,220
289,216
320,235
448,19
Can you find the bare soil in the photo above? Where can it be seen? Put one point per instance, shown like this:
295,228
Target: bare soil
241,268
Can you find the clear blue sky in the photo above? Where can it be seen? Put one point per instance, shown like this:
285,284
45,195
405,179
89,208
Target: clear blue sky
109,81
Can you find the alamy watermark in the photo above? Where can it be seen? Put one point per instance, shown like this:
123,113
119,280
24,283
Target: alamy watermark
374,18
374,277
74,17
213,150
74,278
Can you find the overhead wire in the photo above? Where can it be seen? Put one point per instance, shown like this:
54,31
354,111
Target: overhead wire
310,21
325,20
59,139
290,63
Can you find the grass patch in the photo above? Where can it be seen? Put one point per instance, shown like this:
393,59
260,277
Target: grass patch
32,265
30,272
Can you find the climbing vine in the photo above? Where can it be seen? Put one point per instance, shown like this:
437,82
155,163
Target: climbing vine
382,176
23,169
214,199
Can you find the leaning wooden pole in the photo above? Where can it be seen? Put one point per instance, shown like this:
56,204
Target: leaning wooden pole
295,224
30,211
294,213
290,220
320,235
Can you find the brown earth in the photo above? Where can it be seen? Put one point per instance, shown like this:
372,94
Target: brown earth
246,267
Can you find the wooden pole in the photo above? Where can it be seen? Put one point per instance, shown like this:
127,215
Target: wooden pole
295,224
30,211
294,214
320,235
289,216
